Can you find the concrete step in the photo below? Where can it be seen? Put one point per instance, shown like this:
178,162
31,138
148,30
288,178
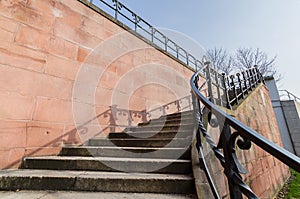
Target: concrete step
186,114
151,134
108,164
126,152
29,194
140,142
168,127
95,181
162,121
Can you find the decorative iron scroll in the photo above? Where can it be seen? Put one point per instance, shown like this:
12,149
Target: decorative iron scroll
227,91
225,150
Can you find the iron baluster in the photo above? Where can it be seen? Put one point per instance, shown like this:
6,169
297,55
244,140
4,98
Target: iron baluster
240,84
229,142
228,105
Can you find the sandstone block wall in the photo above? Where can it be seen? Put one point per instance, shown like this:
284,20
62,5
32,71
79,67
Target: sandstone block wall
51,49
266,175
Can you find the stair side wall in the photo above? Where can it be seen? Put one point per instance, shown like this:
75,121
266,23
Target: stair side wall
266,175
43,46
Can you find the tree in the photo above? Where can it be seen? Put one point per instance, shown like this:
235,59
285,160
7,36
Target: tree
221,60
243,58
248,57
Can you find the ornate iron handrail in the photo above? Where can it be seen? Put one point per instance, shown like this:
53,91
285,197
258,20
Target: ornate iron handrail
141,27
227,91
285,94
228,141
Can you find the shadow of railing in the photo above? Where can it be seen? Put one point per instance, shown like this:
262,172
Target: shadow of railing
119,12
111,115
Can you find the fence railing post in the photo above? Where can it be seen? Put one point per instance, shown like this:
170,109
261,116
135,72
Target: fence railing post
116,8
232,83
228,105
209,85
240,84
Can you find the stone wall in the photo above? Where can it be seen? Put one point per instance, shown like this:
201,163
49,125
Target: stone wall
266,175
64,67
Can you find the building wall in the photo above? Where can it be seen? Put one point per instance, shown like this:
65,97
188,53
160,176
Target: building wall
291,112
280,117
63,68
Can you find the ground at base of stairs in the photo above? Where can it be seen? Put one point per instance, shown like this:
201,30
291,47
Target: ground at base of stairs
83,195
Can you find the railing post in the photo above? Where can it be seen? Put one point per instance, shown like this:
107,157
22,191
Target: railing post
254,76
187,58
135,22
234,89
166,43
228,105
230,165
240,84
249,87
218,89
209,85
116,8
152,34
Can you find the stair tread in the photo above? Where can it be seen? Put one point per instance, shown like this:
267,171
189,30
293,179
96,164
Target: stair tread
30,173
106,159
124,148
91,195
138,139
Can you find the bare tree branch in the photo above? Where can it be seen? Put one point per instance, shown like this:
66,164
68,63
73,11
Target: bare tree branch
243,58
221,60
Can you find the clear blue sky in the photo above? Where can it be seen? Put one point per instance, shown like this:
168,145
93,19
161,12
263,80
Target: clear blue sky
271,25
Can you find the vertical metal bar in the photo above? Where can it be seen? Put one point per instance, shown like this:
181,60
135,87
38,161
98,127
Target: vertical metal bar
152,34
235,192
116,9
240,84
209,85
135,22
218,89
249,88
254,76
166,43
228,105
234,89
187,58
245,82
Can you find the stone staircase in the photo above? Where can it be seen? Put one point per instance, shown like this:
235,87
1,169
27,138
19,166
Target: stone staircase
154,157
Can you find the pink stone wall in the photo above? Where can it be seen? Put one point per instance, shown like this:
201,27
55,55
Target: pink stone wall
266,175
51,49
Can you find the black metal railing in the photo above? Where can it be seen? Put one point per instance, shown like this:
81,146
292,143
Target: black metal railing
225,150
141,27
227,91
286,95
